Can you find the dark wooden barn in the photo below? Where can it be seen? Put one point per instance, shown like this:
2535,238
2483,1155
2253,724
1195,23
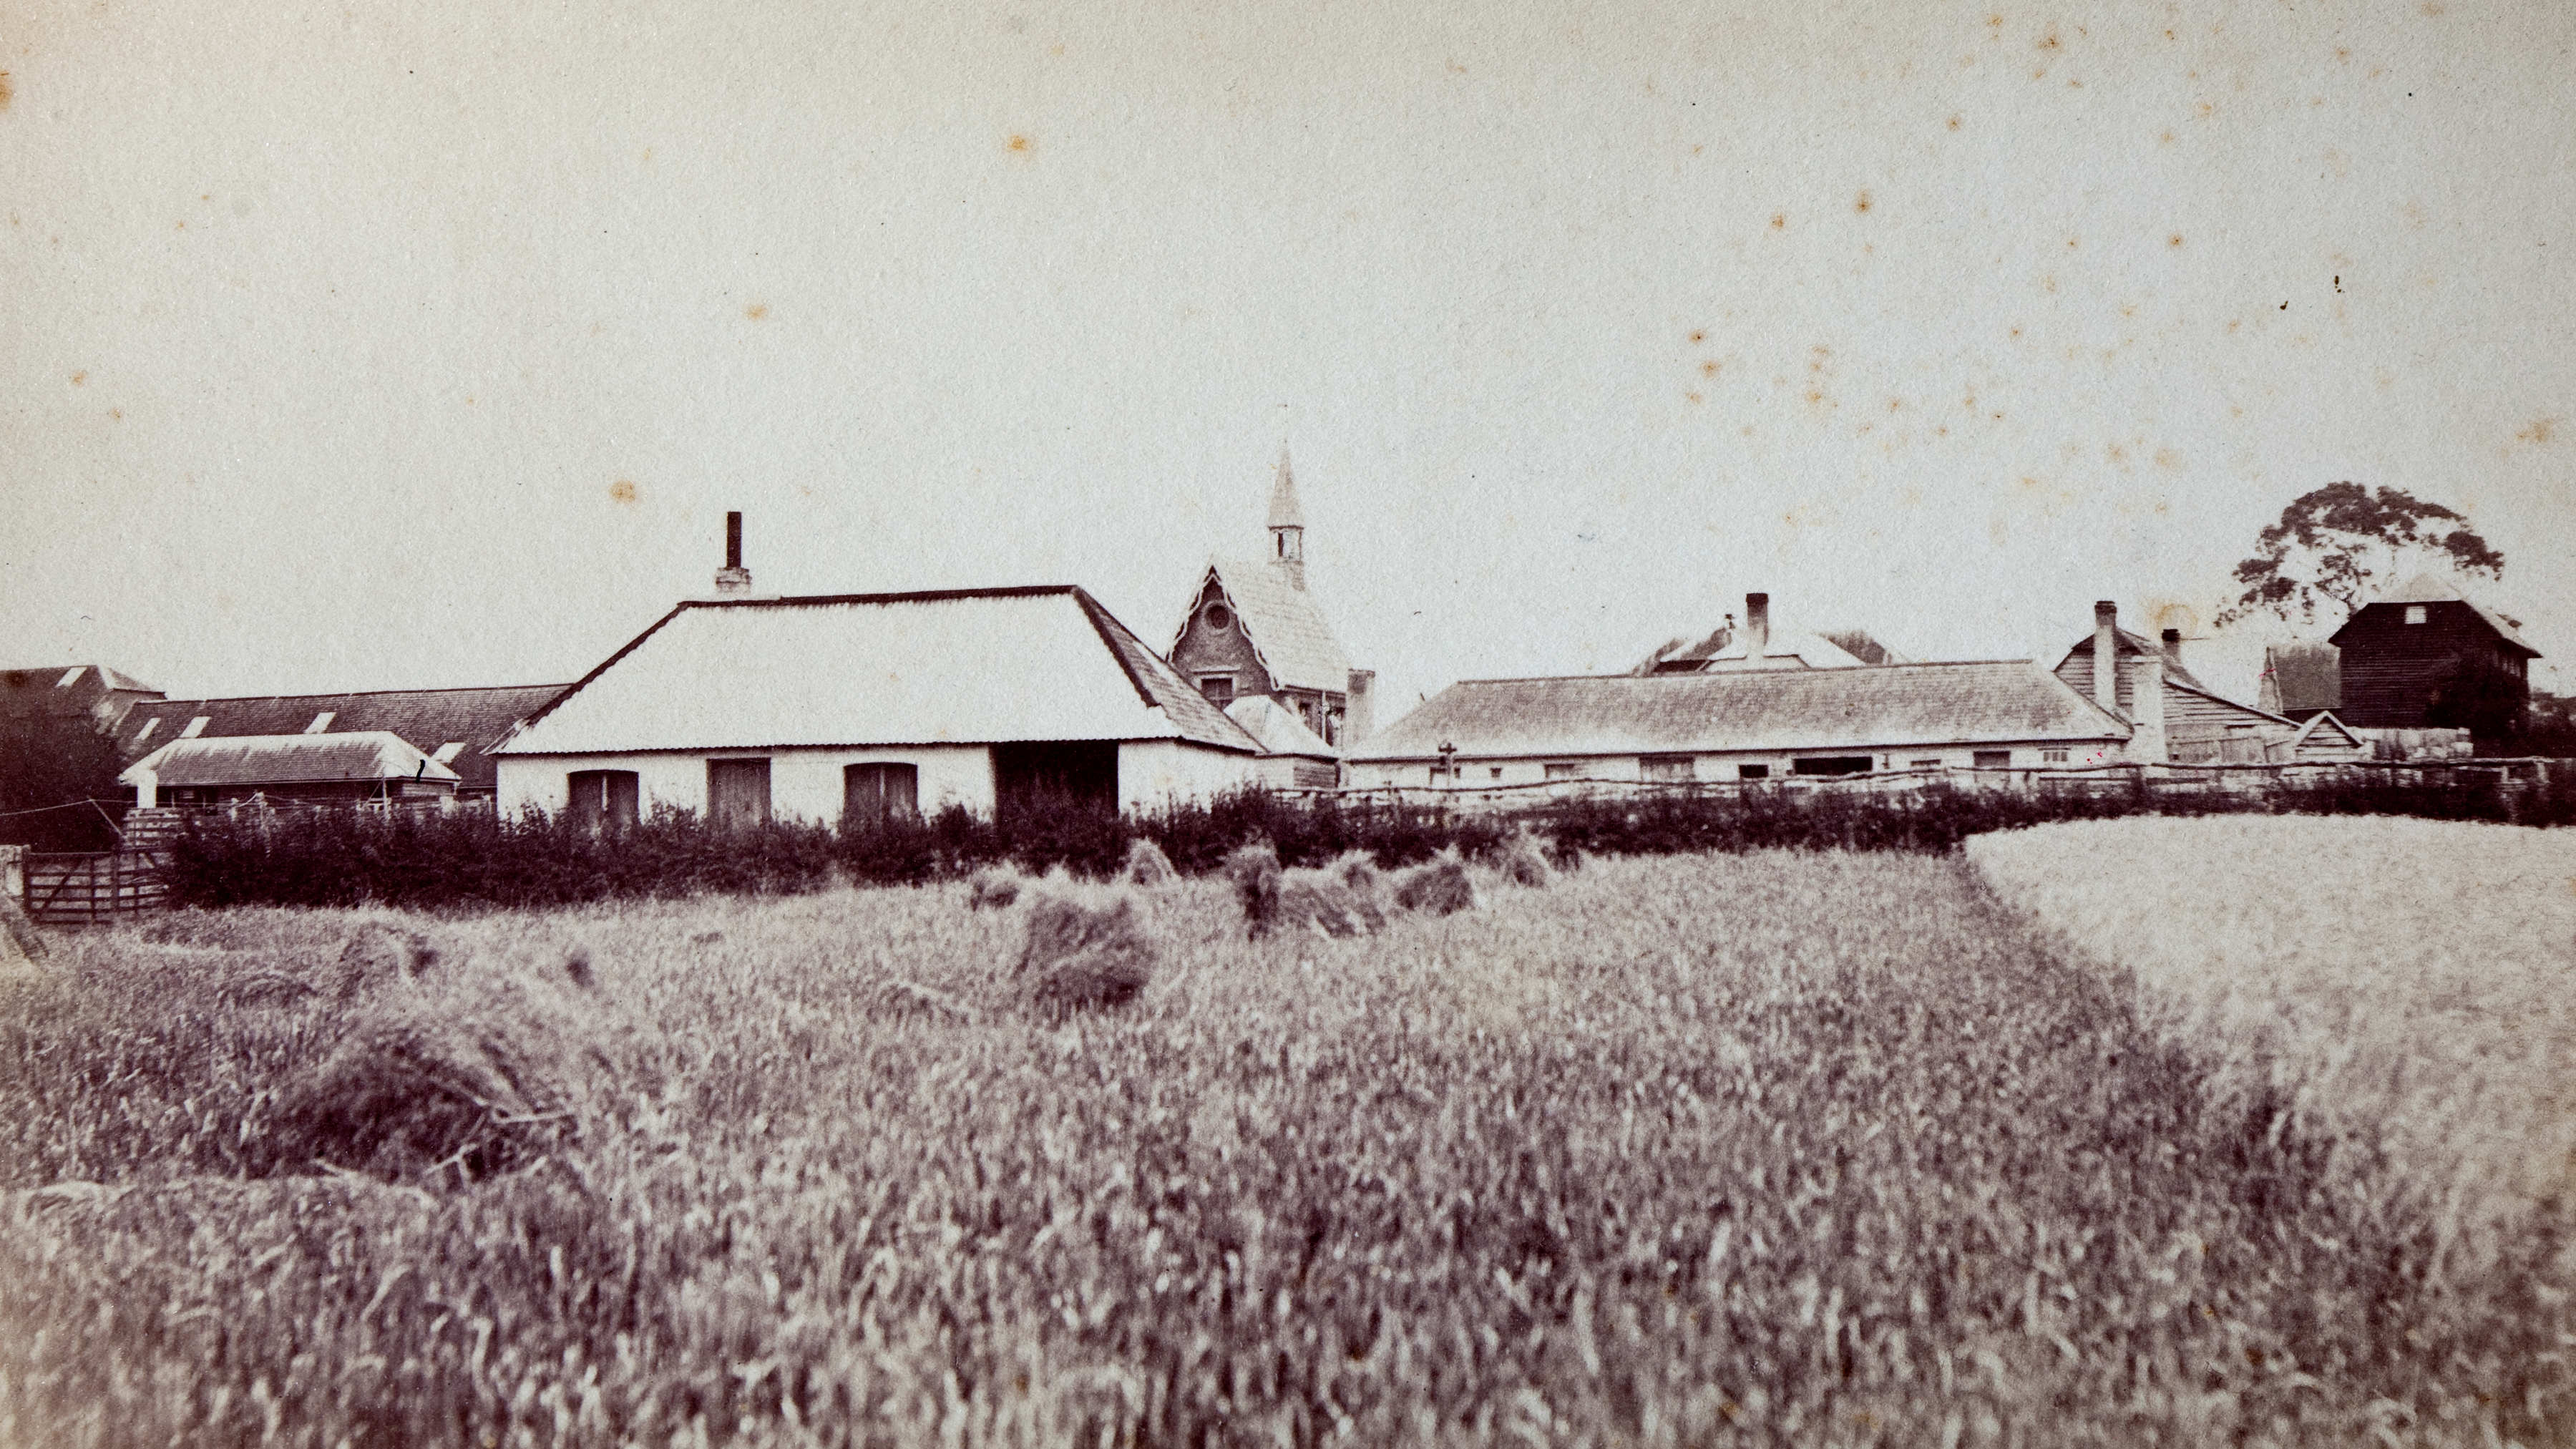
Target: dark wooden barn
2406,657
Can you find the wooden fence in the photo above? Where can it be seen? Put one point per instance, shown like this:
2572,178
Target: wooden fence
2511,776
92,889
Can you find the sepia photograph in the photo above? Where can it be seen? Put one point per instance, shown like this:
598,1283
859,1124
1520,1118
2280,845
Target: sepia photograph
1288,723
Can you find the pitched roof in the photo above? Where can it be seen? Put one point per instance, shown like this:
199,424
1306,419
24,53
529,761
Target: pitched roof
1287,632
363,755
2302,675
1727,650
2129,643
964,666
48,689
1277,728
1872,706
429,719
2433,588
2326,728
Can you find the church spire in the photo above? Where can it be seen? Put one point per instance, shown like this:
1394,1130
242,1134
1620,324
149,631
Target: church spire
1287,525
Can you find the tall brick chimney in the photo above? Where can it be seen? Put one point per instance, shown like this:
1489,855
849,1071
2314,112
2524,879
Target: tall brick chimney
1359,709
2106,655
733,580
1757,626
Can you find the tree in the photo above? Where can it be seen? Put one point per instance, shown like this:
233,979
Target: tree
2342,543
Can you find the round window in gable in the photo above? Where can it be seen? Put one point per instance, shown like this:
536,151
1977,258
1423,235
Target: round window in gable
1218,617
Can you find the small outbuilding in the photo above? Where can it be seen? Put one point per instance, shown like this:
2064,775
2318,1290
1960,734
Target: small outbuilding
1293,757
318,768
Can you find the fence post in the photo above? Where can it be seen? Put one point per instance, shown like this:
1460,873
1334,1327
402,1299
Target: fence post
13,872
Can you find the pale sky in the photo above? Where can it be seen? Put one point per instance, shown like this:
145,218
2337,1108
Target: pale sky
356,347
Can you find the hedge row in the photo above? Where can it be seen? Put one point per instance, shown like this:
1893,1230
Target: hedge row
479,860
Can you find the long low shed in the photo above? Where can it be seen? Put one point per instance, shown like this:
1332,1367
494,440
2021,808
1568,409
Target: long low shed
816,708
1751,725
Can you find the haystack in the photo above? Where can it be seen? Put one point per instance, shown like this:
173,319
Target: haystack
1520,860
1082,954
1317,900
1146,865
378,955
993,887
457,1079
1357,871
1437,888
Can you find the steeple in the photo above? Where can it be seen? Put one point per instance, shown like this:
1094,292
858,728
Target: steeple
1287,525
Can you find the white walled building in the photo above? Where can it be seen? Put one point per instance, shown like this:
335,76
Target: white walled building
745,709
1741,725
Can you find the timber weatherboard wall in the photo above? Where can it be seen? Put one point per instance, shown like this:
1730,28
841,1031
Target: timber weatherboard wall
2392,669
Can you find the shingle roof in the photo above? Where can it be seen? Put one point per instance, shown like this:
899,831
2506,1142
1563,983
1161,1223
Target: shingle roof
1873,706
1287,631
287,760
1278,728
2303,675
427,718
975,666
2433,588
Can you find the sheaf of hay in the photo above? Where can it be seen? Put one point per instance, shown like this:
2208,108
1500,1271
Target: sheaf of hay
1275,899
993,888
478,1073
1084,954
1521,861
1440,887
1358,873
1146,865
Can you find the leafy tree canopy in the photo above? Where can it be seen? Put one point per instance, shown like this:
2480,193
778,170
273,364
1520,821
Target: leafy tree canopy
2341,544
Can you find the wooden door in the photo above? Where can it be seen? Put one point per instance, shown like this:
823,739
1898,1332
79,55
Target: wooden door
738,793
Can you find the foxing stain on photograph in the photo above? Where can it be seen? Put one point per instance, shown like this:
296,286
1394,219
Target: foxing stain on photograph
1297,723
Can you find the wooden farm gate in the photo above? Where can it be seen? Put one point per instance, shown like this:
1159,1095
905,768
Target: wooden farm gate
93,889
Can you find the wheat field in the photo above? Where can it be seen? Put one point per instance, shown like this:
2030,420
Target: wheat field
1779,1148
2410,975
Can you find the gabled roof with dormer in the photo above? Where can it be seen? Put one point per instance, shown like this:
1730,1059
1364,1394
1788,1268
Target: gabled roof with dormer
1287,632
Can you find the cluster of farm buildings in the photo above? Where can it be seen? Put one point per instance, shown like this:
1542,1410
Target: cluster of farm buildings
747,707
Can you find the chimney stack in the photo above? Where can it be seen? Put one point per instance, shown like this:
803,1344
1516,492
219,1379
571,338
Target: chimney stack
2173,648
733,580
1358,709
1757,627
2106,655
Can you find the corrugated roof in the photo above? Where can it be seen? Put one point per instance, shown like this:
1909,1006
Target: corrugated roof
427,718
1277,728
1287,631
980,666
2302,675
2434,588
1873,706
287,760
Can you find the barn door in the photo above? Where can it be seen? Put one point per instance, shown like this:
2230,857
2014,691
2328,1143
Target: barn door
738,793
871,795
